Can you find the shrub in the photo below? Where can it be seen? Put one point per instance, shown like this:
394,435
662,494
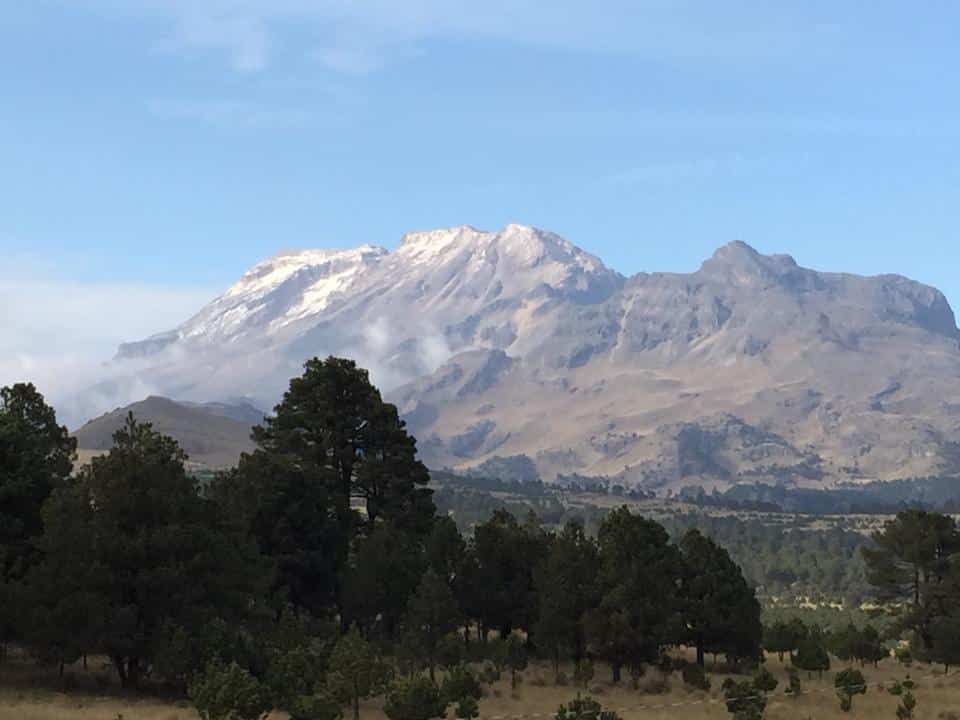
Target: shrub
696,677
561,679
490,673
450,651
793,682
318,706
460,684
228,692
584,708
904,656
414,699
764,680
906,707
744,701
849,683
467,709
583,673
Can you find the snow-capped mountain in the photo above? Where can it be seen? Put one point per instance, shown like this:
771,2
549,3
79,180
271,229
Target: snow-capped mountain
517,342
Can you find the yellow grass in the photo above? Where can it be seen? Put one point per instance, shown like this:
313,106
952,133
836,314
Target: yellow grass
937,697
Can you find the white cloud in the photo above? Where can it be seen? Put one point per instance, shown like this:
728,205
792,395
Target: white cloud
61,335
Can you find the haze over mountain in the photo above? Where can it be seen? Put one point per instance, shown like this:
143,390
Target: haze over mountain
212,434
518,343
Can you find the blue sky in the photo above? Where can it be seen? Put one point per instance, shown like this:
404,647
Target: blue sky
152,150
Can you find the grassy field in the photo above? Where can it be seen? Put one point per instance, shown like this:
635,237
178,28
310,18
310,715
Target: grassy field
26,696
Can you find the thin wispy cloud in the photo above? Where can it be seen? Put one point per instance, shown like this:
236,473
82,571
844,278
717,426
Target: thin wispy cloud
360,37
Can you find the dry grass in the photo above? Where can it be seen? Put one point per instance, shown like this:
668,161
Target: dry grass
24,696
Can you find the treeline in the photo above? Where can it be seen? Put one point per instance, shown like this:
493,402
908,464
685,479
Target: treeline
873,498
788,561
784,558
318,568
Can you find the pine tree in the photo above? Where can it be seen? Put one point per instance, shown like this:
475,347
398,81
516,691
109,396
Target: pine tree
356,671
431,615
721,610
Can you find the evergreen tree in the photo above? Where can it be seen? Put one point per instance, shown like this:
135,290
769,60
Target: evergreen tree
384,571
640,610
36,456
157,554
516,650
432,614
783,637
721,611
356,671
946,641
910,561
812,653
229,692
849,683
331,441
506,556
416,698
566,587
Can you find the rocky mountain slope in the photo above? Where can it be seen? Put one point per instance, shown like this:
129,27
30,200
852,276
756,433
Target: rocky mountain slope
212,434
516,342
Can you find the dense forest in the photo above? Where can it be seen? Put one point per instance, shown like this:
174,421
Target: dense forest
323,569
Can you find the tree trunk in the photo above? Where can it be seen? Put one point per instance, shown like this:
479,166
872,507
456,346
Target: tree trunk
701,655
133,673
121,670
615,671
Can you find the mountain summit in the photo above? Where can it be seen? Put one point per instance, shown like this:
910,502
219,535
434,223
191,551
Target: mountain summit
517,342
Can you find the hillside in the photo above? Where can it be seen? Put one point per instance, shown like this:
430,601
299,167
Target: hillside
518,343
213,435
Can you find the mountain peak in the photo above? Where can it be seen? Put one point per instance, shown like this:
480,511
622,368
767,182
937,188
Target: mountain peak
739,262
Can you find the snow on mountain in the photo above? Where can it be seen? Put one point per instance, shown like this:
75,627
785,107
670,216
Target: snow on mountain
516,342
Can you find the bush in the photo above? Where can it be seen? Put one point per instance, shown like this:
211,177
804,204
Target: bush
849,683
318,706
793,682
743,699
459,685
696,677
490,673
903,656
450,651
561,679
228,692
764,680
583,673
414,699
467,709
906,707
584,708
